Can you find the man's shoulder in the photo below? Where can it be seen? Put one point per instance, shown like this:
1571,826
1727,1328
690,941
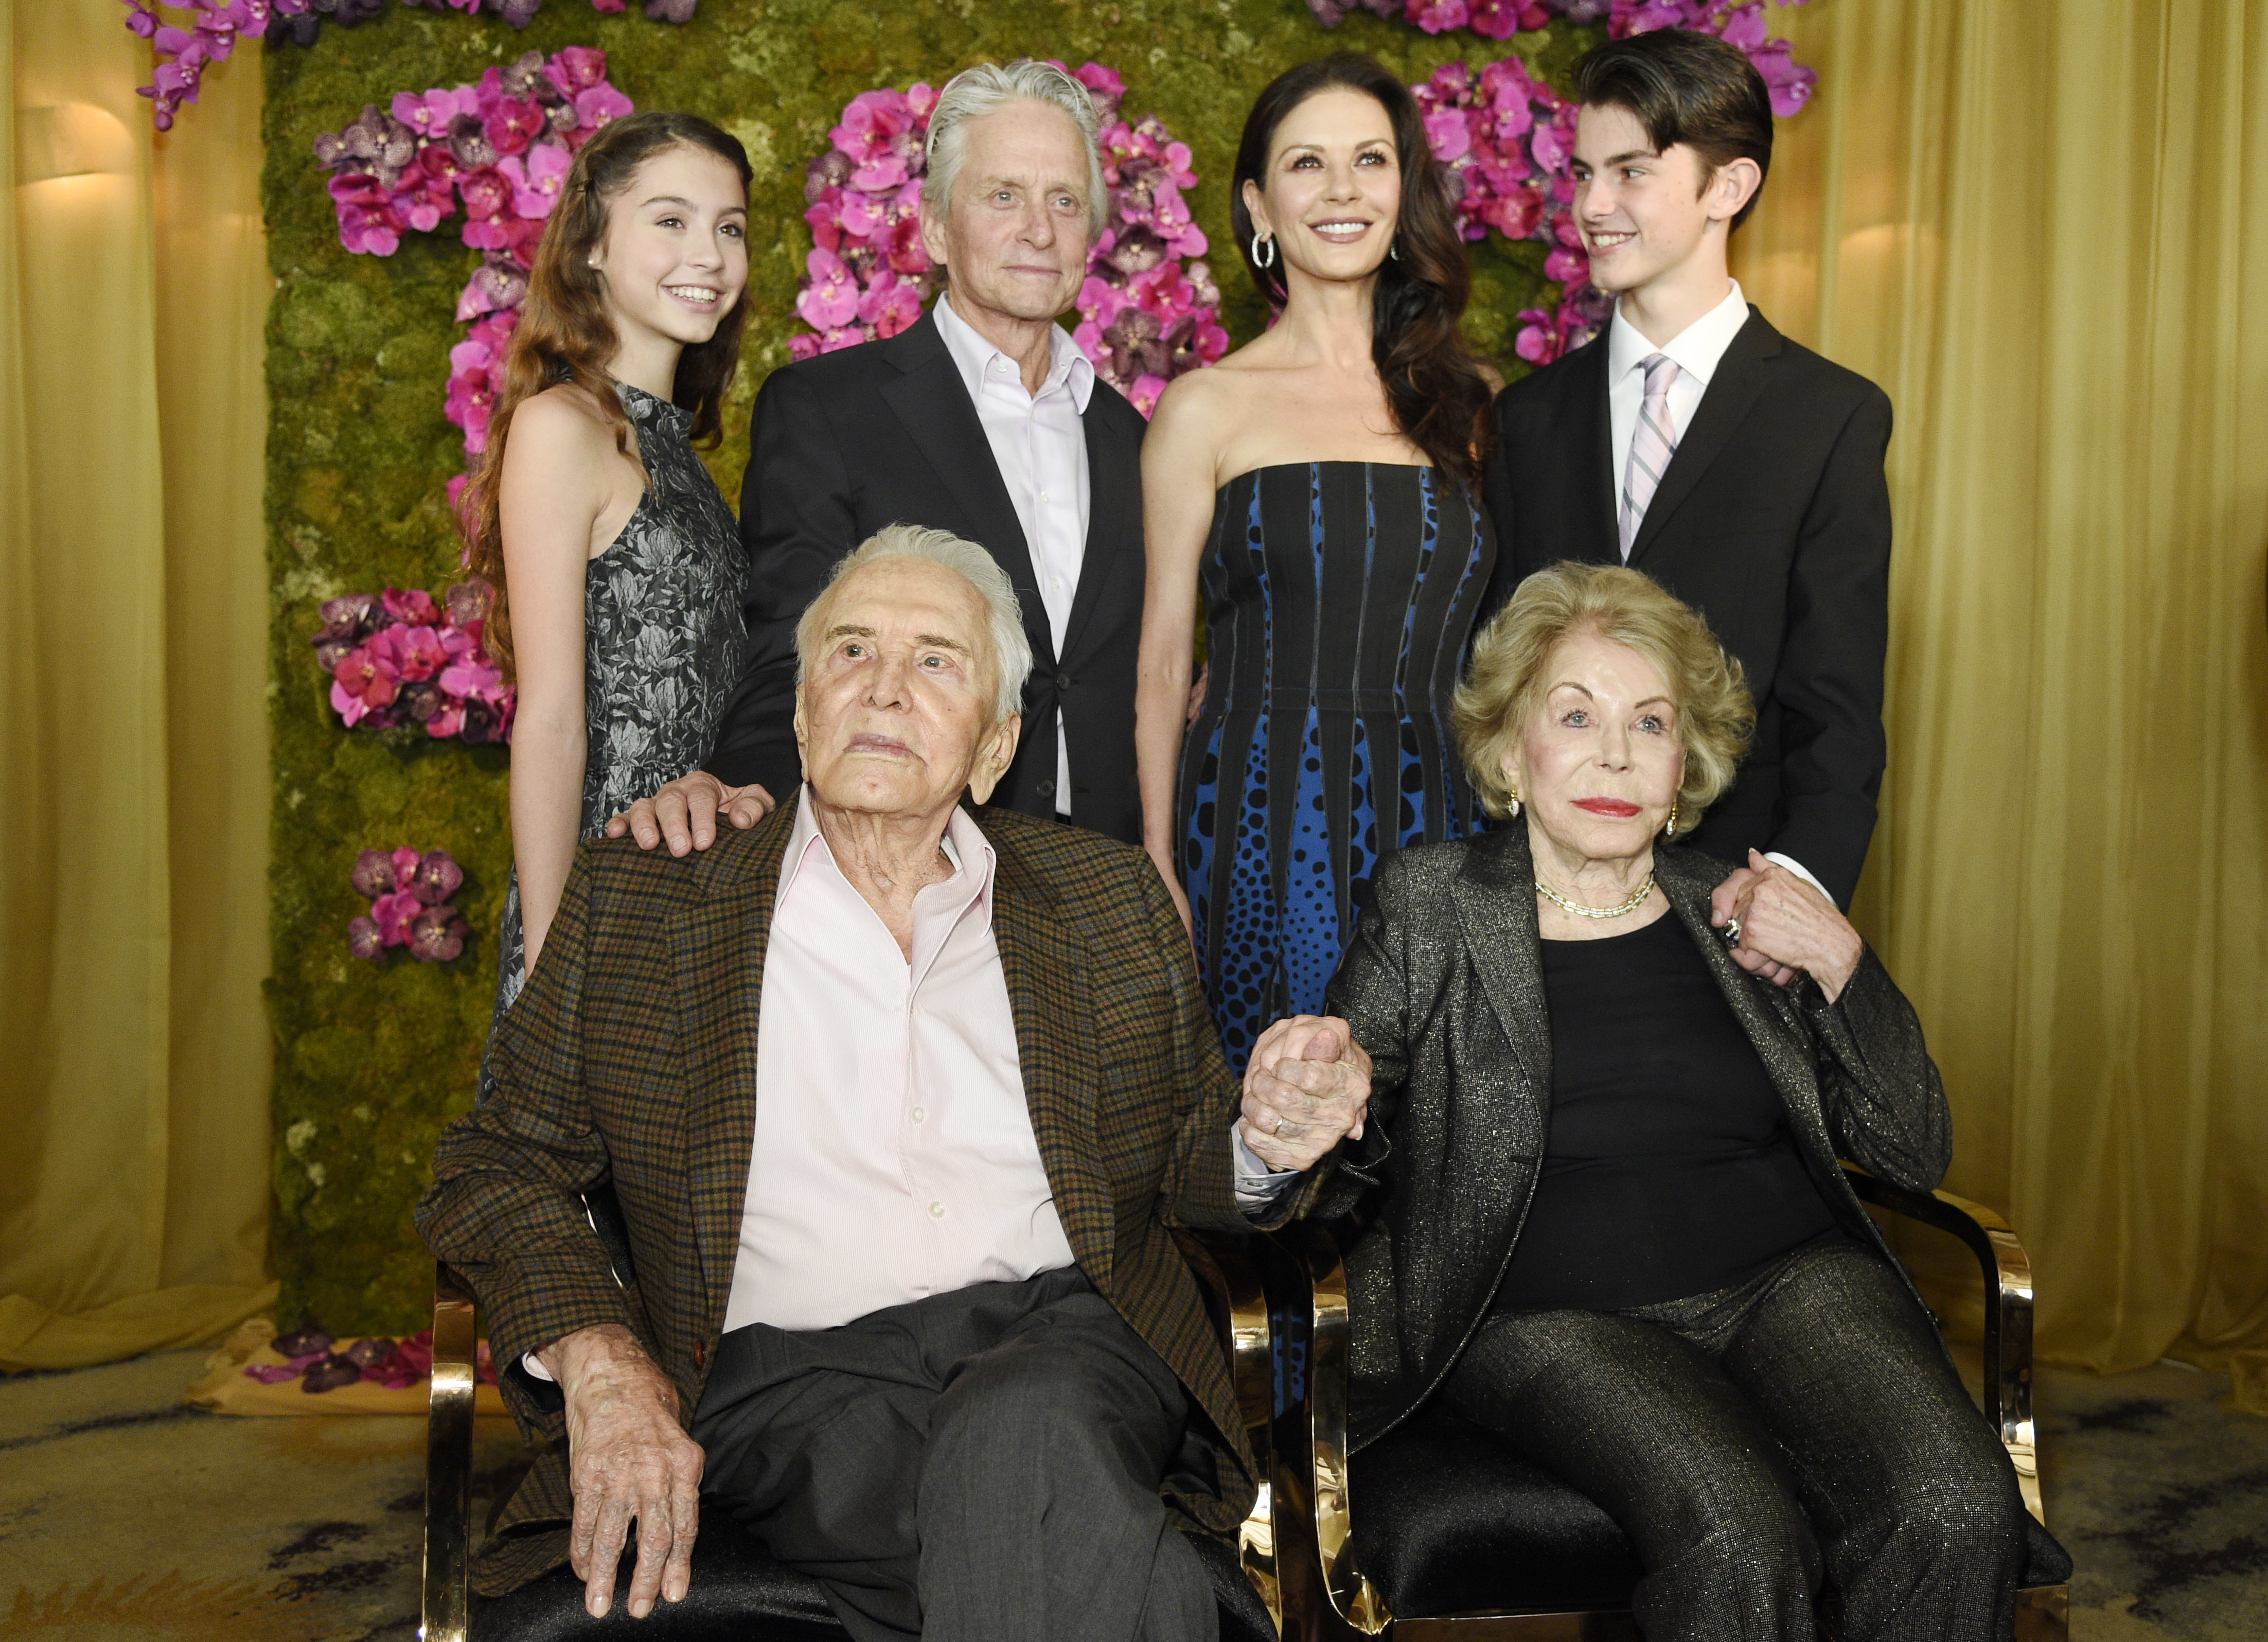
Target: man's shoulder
619,867
1115,412
1822,383
1081,869
1554,384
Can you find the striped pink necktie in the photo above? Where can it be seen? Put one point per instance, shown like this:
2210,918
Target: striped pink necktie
1652,442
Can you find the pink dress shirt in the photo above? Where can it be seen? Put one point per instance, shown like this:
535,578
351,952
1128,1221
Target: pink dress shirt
895,1156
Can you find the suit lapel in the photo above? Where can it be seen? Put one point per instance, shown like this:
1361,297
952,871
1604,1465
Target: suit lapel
1047,974
1739,378
933,403
717,947
1496,912
1114,487
1598,538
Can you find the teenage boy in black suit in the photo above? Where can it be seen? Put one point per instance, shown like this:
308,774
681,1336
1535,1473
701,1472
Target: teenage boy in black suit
1692,441
982,418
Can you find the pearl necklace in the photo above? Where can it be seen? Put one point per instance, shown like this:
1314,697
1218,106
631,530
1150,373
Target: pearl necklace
1631,905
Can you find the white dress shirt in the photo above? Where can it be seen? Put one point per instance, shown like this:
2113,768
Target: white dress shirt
1039,446
1698,350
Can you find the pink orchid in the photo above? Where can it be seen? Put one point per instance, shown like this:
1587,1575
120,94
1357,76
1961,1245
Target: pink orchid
413,604
860,215
595,106
890,305
490,288
436,878
871,123
428,115
473,679
1497,19
832,297
904,251
446,722
392,914
921,97
536,179
1145,392
825,216
803,345
416,653
511,125
471,405
1437,17
361,682
835,339
576,68
1095,77
1448,135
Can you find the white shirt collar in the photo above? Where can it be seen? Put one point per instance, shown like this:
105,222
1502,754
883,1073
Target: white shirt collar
977,360
963,844
1697,348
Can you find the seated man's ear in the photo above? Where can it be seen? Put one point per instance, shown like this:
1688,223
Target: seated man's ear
997,752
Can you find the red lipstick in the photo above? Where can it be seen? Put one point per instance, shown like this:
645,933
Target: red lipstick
1616,809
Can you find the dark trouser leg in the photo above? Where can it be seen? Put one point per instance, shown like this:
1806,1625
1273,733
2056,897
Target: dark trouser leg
1040,1515
1912,1496
1642,1422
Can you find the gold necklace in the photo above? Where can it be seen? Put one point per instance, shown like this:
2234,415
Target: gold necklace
1631,905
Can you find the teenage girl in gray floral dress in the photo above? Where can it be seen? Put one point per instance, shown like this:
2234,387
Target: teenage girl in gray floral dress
617,563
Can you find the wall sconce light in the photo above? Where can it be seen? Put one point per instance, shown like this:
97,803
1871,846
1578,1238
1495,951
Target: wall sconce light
71,140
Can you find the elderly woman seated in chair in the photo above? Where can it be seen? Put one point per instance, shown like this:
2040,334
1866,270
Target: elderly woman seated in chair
1609,1224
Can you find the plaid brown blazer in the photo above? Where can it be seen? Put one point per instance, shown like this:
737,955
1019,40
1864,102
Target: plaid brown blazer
631,1057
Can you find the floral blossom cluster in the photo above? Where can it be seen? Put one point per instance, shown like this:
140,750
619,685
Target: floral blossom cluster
1147,312
1507,138
408,895
319,1363
500,151
399,658
211,29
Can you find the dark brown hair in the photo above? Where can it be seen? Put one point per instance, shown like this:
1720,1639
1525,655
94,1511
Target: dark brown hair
564,335
1438,396
1689,88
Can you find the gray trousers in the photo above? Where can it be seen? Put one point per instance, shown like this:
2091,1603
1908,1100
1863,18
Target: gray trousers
981,1466
1803,1425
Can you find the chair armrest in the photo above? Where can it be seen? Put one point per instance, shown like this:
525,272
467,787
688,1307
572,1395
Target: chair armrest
448,1596
1327,1595
2007,1311
1224,1265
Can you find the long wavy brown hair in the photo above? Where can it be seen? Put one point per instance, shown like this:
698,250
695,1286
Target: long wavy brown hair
1435,389
564,334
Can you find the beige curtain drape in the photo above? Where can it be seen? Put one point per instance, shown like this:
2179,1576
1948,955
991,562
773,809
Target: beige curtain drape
134,1044
2045,231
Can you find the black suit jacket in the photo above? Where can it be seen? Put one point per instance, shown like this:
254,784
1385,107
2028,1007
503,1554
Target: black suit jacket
1444,986
1774,522
884,433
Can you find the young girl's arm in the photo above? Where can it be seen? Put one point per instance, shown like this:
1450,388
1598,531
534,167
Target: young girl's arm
560,471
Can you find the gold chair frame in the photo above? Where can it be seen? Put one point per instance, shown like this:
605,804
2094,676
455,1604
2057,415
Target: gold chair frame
1325,1598
1224,1268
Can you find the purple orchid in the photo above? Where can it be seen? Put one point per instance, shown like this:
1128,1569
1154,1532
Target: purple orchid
437,934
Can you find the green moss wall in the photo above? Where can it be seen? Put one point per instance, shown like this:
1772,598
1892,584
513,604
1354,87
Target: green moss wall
373,1059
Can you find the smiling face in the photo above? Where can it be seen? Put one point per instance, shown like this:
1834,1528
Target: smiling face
1600,766
1014,235
1334,187
675,251
1646,215
893,714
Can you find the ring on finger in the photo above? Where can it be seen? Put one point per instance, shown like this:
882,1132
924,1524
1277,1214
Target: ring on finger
1732,931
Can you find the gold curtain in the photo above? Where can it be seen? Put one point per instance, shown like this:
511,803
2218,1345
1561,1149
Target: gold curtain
134,1044
2043,230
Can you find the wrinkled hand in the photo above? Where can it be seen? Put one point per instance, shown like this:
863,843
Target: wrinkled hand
1788,927
1305,1088
627,1457
685,813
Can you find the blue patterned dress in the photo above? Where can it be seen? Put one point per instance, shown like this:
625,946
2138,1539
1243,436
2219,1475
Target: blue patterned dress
1338,599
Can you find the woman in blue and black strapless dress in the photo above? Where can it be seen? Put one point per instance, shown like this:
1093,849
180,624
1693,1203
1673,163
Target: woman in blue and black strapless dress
1320,487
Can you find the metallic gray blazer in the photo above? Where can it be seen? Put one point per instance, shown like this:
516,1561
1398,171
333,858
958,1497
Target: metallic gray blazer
1444,986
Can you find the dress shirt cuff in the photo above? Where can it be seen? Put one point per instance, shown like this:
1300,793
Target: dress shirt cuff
1799,870
1257,1185
536,1370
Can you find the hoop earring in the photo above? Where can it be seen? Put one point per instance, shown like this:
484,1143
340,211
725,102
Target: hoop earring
1393,248
1263,243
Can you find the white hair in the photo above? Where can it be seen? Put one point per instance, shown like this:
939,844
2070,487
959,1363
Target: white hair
987,88
1012,651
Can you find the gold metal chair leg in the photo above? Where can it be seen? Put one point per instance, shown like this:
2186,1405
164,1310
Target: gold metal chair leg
447,1601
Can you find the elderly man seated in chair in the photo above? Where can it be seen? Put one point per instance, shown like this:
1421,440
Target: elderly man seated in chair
901,1111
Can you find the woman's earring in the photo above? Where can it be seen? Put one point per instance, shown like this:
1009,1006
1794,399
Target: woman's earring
1393,248
1670,830
1515,802
1264,242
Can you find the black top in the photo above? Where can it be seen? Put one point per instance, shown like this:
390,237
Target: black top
1773,521
844,444
1669,1169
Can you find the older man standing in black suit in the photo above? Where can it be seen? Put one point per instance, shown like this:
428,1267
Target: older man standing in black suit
1692,441
984,419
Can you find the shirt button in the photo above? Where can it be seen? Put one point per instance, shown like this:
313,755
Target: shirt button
937,1212
920,1113
1043,496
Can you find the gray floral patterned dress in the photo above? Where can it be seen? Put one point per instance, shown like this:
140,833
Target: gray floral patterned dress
663,642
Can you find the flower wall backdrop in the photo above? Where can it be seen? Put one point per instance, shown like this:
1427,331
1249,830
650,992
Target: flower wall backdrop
373,1058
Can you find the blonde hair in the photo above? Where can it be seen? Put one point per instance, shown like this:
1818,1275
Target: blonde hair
1012,651
1505,680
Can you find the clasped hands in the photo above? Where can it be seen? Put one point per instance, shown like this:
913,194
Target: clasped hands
1788,927
1306,1087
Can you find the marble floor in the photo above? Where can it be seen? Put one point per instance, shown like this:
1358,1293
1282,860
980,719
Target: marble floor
125,1517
